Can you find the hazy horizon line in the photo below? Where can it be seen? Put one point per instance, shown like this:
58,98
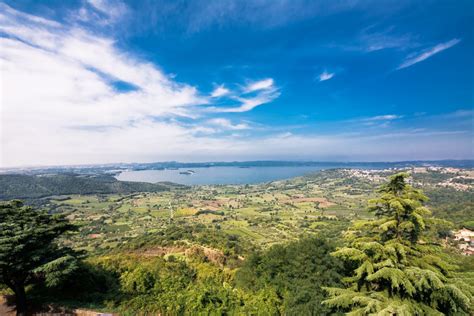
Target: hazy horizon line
235,161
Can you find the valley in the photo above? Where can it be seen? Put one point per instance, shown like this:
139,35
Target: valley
263,214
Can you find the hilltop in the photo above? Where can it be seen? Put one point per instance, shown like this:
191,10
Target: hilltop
20,186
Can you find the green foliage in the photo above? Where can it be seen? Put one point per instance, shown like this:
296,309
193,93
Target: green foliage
88,286
469,225
27,249
399,210
13,186
231,245
296,272
455,206
138,281
398,267
140,286
56,271
135,285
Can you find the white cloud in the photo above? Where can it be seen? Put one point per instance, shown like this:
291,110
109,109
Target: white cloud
379,121
325,76
220,91
387,117
57,90
374,40
418,57
259,85
460,113
227,124
113,9
263,91
196,16
248,104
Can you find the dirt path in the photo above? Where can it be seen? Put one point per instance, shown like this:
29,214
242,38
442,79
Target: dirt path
6,310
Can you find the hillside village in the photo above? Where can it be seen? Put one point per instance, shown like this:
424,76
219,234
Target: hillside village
465,241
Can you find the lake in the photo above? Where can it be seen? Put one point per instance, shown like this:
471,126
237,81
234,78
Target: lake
220,175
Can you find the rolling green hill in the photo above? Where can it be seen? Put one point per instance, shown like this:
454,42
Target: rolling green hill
16,186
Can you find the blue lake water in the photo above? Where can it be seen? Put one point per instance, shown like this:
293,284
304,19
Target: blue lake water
220,175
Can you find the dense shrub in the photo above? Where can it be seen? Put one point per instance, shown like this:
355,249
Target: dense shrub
296,272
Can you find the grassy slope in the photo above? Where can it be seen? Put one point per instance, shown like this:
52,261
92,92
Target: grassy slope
29,187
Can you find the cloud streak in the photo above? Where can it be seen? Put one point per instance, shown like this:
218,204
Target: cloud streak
112,9
220,91
325,76
259,85
200,16
250,96
387,117
227,124
419,57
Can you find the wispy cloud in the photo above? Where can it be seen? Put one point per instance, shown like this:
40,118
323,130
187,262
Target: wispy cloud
251,103
220,91
250,96
420,56
371,40
100,13
387,117
227,124
460,114
326,76
259,85
113,9
191,16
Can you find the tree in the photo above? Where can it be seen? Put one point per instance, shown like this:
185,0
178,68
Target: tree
295,272
28,253
398,268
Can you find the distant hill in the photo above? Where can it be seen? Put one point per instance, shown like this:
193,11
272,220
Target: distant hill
17,186
110,169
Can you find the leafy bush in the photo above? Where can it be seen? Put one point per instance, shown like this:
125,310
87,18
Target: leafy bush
296,272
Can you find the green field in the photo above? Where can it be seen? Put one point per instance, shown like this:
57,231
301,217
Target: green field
263,214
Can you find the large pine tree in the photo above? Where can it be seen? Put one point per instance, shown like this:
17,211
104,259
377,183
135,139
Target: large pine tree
28,253
397,266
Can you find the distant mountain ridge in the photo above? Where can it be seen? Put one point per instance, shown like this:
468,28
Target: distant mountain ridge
115,168
20,186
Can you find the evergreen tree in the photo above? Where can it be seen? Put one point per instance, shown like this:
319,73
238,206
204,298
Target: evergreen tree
296,272
27,249
397,266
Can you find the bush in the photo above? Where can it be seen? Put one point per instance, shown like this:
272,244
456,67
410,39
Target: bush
296,272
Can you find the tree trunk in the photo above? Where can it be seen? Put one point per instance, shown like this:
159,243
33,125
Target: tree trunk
20,299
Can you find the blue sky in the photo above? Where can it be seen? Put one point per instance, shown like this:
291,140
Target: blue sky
102,81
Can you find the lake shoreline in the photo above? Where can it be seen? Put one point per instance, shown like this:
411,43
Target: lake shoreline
218,175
